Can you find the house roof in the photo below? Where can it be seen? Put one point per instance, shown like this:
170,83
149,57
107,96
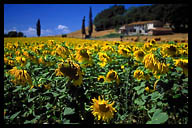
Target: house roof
143,22
122,27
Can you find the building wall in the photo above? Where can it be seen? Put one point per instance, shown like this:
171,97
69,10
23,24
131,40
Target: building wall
150,26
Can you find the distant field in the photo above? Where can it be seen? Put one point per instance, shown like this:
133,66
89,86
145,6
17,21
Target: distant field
177,36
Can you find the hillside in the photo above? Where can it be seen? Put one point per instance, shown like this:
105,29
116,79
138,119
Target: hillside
77,34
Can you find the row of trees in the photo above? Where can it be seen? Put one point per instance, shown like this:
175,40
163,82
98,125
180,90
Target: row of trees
20,34
90,27
117,15
14,34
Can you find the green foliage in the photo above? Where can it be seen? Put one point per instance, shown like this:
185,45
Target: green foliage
117,16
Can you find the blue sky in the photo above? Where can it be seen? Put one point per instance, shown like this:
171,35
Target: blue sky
55,18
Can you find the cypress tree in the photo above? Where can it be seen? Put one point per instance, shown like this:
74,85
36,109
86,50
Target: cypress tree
38,28
83,27
90,23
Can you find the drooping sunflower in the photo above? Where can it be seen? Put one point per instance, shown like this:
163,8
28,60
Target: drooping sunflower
152,63
147,46
21,60
104,58
112,76
62,51
183,64
124,52
83,57
170,50
20,76
139,55
102,109
70,69
138,74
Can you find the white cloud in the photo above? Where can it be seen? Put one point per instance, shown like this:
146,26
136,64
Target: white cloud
32,32
63,28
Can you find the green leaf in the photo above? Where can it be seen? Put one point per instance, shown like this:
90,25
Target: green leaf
55,94
68,111
17,88
14,115
27,122
31,99
155,95
185,91
158,118
66,121
176,96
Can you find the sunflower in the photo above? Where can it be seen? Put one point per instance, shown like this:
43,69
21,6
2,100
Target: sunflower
102,109
124,52
138,74
62,51
104,58
111,76
157,67
147,46
170,50
70,69
183,64
20,76
21,60
83,57
101,78
139,55
107,48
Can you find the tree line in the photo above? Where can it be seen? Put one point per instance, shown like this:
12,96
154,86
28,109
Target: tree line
117,15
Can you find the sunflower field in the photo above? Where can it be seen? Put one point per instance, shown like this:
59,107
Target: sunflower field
73,81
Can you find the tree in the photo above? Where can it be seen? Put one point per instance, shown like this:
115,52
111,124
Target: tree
83,27
20,34
90,29
38,28
12,34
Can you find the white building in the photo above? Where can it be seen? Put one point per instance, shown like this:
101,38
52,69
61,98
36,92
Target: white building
143,28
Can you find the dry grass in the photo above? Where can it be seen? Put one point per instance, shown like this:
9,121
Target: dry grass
164,38
77,34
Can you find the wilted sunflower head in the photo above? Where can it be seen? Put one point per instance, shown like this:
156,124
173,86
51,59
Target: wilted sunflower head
124,52
138,74
170,50
20,76
70,69
21,60
112,75
103,57
139,55
183,64
62,51
102,109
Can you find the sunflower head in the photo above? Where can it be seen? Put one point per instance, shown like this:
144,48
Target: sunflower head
101,78
111,76
138,74
102,109
139,55
70,69
20,76
183,64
